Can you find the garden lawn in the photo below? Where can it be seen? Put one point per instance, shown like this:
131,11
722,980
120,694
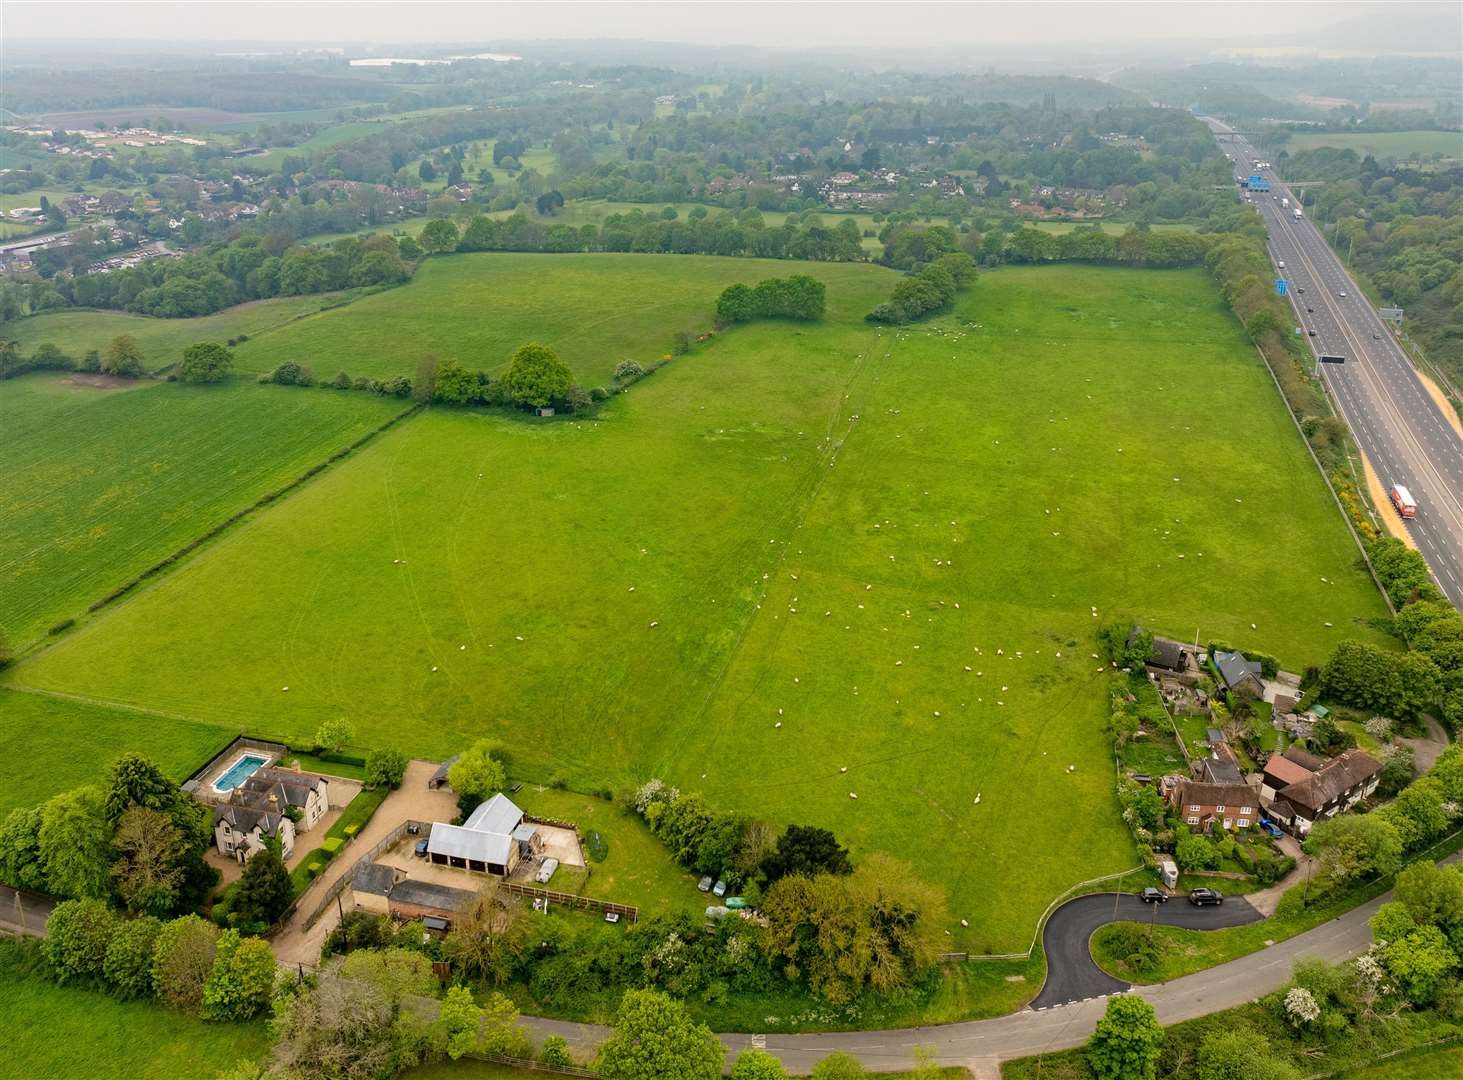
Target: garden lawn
55,1032
596,310
817,527
76,331
56,743
102,484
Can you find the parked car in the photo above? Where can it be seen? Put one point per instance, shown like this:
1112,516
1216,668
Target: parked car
1271,828
720,888
1205,897
1151,895
1311,310
421,849
704,884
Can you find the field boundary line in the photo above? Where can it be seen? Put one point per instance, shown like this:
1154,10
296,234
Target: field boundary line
106,703
160,568
1350,525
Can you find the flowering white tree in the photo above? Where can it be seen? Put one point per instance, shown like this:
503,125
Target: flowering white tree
1301,1007
1379,728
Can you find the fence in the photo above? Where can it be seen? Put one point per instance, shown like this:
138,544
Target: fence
1406,1052
340,884
585,903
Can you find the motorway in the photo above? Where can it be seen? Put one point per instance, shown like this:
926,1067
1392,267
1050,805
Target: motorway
1397,424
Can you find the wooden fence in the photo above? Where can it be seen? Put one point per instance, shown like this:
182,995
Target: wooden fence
584,903
343,882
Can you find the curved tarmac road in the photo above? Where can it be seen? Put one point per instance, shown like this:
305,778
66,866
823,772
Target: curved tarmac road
981,1045
1072,974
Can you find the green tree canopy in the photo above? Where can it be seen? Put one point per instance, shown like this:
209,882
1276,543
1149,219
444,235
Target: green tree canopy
1126,1043
122,356
654,1038
438,236
537,376
76,844
205,362
264,890
476,776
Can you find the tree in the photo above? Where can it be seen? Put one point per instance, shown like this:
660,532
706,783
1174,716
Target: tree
878,928
265,890
1195,853
458,1020
149,867
537,376
655,1039
241,981
20,849
75,843
438,236
555,1051
1353,846
838,1066
122,356
807,850
78,934
1419,812
385,768
1363,676
205,362
1419,960
476,776
487,936
182,960
341,1029
427,171
424,387
1126,1043
335,734
1240,1054
134,780
128,964
1433,896
395,973
757,1065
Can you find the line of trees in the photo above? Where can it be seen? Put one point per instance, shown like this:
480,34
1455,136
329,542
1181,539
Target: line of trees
928,289
797,297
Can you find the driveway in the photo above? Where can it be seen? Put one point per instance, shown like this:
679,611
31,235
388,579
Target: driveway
1072,974
1426,750
412,801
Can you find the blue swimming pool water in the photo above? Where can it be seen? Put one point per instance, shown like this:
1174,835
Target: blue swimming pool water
239,771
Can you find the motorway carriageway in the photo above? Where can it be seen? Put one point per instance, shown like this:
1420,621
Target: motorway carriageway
1397,424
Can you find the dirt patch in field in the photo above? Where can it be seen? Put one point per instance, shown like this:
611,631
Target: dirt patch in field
1449,413
92,381
1388,512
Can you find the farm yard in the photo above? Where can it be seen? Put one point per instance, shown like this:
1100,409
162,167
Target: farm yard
826,574
106,481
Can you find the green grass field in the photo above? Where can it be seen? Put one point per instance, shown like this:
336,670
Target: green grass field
1397,145
1112,228
596,310
162,340
58,1033
58,744
820,527
104,483
1438,1065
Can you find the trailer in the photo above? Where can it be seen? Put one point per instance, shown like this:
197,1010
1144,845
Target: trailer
1297,213
1403,501
1259,183
1285,201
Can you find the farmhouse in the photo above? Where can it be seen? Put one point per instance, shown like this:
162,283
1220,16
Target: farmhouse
240,831
282,789
1240,676
492,840
1333,788
1168,657
1202,804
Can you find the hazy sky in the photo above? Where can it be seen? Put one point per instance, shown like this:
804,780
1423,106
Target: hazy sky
792,24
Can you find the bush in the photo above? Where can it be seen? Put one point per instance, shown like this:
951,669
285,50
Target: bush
128,964
78,935
181,961
385,768
205,362
241,980
555,1051
628,369
797,297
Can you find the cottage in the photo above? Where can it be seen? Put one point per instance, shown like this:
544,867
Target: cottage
1168,656
307,793
1240,676
1334,788
1203,804
491,841
1282,770
239,831
1221,766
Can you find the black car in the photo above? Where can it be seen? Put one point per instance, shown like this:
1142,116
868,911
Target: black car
421,849
1204,897
1151,895
1310,310
1310,333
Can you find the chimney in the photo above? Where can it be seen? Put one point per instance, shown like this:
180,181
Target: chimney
274,802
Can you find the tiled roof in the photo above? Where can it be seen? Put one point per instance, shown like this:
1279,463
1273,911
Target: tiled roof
1332,780
1197,793
1281,769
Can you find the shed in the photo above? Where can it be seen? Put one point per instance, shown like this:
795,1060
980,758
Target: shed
411,899
439,778
372,885
1168,872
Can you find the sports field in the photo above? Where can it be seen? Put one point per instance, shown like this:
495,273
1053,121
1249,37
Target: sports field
820,528
596,310
102,483
1398,145
162,340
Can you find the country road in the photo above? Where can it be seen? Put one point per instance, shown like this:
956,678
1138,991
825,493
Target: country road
1397,424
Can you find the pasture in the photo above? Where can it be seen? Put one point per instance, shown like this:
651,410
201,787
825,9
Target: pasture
596,310
78,330
104,483
1395,145
799,565
64,1031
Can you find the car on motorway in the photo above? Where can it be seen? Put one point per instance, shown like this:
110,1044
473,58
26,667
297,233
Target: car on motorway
1310,311
1310,333
1342,294
1301,291
1152,895
1205,897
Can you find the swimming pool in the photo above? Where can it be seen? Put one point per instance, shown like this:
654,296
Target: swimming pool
239,771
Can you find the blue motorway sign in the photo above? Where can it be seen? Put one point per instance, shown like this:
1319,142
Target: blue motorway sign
1281,286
